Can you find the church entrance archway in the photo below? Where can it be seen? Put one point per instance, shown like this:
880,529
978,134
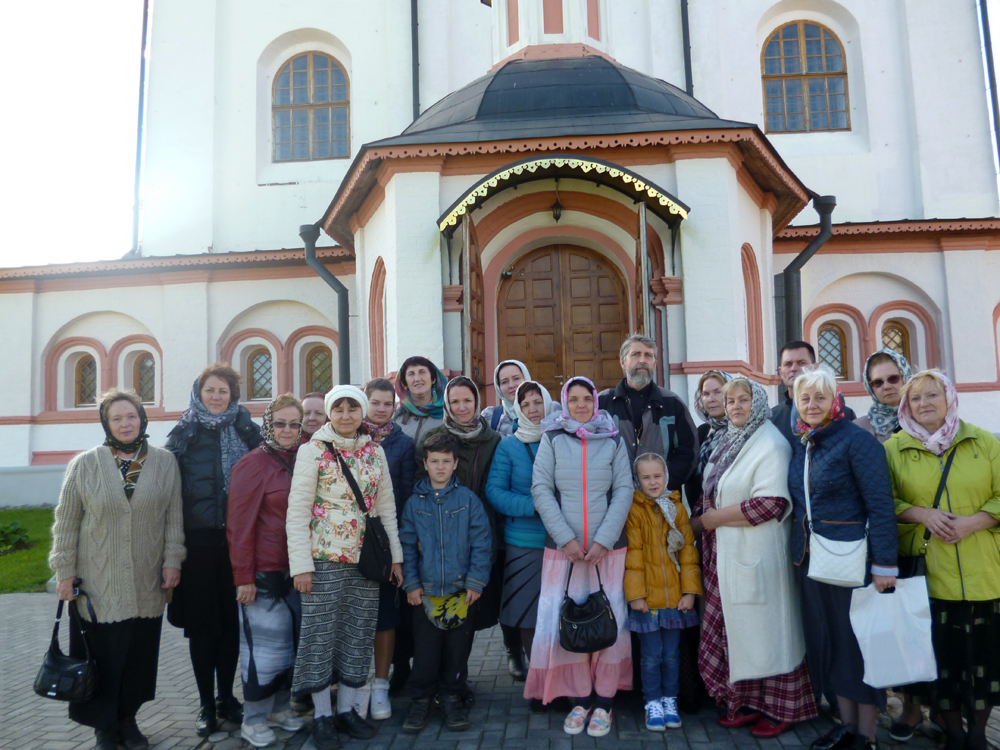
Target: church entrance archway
563,311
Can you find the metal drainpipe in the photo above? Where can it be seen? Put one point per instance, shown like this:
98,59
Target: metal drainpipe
686,35
138,135
991,74
309,234
415,57
824,205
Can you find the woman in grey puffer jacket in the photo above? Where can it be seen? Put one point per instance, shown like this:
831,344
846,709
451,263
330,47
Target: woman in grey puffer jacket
582,485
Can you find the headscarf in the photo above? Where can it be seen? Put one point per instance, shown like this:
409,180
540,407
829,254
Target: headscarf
231,444
717,426
433,408
345,391
939,441
267,430
735,438
463,430
505,404
113,442
527,432
601,425
378,432
665,502
805,433
884,418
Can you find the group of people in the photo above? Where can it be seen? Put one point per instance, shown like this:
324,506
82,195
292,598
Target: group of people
254,536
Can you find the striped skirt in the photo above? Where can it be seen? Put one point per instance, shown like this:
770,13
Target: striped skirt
338,629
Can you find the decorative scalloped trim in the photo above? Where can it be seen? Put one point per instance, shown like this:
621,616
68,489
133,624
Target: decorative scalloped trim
895,227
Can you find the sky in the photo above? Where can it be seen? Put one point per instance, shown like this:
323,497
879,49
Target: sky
70,125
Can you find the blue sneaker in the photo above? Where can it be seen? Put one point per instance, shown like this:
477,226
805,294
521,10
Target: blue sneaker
654,717
671,719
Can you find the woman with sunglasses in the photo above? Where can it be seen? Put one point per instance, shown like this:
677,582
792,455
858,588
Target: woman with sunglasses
885,374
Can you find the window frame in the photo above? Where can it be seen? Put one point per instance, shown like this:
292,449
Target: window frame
309,384
251,384
804,75
78,402
904,330
309,107
137,361
845,363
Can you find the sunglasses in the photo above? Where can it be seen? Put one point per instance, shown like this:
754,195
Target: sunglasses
285,425
891,380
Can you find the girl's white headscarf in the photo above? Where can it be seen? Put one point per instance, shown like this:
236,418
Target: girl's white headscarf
508,406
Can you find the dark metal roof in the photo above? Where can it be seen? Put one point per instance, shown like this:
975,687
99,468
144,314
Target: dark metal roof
559,97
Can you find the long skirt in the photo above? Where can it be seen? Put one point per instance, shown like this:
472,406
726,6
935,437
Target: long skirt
126,654
966,639
556,673
522,584
337,638
204,603
269,631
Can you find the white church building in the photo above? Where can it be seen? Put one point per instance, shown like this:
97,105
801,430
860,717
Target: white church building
579,169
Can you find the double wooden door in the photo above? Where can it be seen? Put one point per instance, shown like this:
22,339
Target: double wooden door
563,311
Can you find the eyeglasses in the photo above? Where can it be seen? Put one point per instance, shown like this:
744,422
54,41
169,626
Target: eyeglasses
891,380
285,425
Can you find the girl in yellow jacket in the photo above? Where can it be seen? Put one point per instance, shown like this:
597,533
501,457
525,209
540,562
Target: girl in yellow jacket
662,579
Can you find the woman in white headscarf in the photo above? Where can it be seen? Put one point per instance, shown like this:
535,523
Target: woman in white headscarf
508,375
325,529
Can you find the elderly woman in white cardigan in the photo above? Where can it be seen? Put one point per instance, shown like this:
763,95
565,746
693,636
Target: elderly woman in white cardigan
756,671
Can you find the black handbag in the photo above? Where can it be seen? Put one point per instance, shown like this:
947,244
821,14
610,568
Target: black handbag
68,678
589,627
375,560
911,566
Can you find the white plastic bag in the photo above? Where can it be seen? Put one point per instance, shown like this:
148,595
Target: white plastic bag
894,633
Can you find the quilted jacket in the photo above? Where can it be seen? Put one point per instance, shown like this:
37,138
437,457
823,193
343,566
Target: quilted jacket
400,454
849,487
508,489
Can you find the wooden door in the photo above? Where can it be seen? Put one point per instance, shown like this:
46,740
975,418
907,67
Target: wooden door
563,312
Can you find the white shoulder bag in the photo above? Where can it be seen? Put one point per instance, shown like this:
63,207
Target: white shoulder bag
836,563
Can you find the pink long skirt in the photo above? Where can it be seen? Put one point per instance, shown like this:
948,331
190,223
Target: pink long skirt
554,672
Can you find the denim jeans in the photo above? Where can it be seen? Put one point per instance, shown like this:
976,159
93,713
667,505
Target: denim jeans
659,663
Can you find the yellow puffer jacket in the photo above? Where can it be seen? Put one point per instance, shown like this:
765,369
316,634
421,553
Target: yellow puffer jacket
649,573
968,570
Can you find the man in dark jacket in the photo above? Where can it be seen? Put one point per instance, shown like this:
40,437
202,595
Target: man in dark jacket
794,357
651,419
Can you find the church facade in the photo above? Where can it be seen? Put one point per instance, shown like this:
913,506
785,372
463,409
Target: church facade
529,179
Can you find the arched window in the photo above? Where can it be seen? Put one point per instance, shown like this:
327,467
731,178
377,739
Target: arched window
310,108
376,319
85,381
319,370
144,377
804,72
832,348
259,374
896,337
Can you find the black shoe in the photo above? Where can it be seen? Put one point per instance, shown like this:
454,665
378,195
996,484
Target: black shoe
352,724
469,696
516,665
537,707
837,738
106,739
901,732
418,715
206,722
863,743
456,715
129,734
302,704
324,735
229,709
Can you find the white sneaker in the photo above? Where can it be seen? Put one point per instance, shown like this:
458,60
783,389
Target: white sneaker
287,720
258,735
361,698
380,706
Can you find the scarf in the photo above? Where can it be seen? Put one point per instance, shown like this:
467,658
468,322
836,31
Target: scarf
463,430
267,431
735,438
665,502
508,406
117,444
939,441
378,432
527,432
601,425
230,443
884,418
717,427
435,407
805,433
130,468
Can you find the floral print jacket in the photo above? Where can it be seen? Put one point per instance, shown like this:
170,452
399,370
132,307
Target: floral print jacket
324,521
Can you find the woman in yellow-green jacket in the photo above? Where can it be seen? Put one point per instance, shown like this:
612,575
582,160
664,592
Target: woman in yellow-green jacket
963,552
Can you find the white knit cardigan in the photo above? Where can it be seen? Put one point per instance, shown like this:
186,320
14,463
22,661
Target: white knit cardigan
118,546
760,602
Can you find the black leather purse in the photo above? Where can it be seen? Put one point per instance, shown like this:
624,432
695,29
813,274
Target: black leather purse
68,678
589,627
375,560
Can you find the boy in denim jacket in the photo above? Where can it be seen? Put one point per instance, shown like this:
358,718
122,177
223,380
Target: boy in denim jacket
447,544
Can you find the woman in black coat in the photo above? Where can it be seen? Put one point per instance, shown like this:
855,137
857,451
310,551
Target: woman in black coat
210,437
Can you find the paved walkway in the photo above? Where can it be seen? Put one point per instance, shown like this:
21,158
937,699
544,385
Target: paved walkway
500,718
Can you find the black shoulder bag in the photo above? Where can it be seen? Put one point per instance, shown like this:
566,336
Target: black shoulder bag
68,678
375,559
916,565
589,627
